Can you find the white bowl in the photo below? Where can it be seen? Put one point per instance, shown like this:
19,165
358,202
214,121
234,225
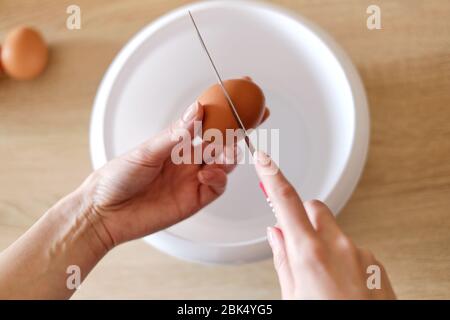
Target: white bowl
313,90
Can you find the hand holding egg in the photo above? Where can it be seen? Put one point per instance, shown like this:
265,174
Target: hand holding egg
248,99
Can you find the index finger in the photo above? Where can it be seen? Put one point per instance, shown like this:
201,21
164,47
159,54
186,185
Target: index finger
291,213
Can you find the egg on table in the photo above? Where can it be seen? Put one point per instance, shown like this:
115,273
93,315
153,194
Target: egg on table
24,54
247,98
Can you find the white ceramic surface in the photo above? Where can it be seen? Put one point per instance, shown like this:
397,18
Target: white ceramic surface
314,93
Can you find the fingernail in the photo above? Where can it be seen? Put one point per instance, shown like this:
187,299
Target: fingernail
269,236
262,158
274,240
191,112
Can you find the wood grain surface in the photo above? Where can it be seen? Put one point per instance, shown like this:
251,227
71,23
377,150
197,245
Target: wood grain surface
400,209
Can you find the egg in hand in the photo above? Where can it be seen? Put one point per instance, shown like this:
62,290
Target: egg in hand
247,98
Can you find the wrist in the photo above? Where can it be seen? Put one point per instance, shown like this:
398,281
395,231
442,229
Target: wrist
69,234
81,226
97,234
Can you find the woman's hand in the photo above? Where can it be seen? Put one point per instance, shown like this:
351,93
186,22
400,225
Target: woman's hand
313,258
143,191
131,196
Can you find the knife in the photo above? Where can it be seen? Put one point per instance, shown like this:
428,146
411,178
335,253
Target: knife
249,144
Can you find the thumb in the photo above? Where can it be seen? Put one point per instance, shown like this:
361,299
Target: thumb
157,149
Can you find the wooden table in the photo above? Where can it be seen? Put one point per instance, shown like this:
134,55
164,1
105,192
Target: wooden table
400,209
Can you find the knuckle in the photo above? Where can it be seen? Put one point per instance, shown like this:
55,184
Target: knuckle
314,253
139,154
345,245
316,211
315,204
318,253
369,258
313,211
146,155
367,254
286,191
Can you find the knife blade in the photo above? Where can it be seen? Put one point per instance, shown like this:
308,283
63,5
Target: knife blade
225,92
249,144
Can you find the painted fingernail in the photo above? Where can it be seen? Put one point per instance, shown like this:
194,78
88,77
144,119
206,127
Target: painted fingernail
262,158
191,112
272,239
269,235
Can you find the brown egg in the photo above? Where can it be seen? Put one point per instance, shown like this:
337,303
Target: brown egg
247,97
25,54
